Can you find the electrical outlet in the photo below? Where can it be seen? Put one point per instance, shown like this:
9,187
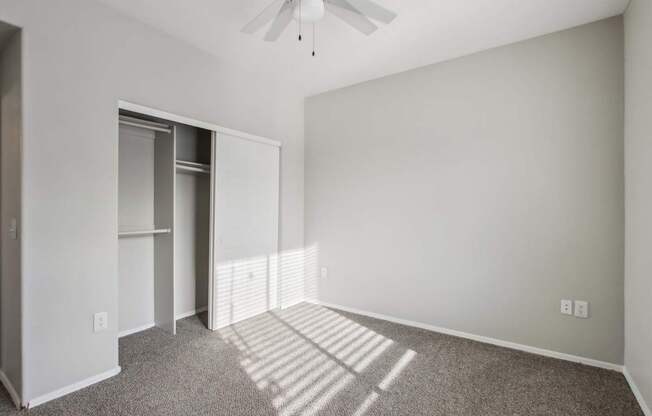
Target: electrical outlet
581,309
324,272
100,321
566,307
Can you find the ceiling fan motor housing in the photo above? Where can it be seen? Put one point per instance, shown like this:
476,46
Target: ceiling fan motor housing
309,11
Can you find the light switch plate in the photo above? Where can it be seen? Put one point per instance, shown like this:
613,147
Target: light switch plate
567,307
581,309
100,321
324,272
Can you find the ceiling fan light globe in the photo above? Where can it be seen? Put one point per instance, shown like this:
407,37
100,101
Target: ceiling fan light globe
310,11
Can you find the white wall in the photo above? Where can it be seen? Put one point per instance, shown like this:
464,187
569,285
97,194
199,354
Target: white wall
638,172
80,59
477,193
10,136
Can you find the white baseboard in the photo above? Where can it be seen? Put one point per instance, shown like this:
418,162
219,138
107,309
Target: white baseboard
294,303
637,393
135,330
73,387
479,338
191,313
152,324
10,389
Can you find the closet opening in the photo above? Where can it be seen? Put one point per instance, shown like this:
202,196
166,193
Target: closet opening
198,222
165,208
192,220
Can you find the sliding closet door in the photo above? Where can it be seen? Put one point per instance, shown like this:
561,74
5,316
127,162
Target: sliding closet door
245,246
164,196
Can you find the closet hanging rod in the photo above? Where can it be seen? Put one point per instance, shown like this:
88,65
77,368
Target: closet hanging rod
192,169
194,164
144,124
137,233
183,164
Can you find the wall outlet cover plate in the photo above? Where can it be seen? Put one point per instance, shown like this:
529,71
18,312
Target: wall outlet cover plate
566,307
100,321
581,309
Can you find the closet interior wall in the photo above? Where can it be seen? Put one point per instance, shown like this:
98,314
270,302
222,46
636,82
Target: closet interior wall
192,222
136,212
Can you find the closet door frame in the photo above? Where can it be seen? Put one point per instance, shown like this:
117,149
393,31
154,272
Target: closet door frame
211,235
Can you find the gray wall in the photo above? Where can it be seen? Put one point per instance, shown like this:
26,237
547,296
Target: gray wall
638,171
10,164
80,58
475,194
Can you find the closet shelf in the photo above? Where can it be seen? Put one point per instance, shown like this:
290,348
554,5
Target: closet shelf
144,124
136,233
194,167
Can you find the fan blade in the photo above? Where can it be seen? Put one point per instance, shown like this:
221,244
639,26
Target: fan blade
264,17
373,10
352,17
282,21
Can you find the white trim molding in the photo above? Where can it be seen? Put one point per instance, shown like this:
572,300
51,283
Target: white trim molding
479,338
132,331
10,389
191,313
137,108
637,393
73,387
145,327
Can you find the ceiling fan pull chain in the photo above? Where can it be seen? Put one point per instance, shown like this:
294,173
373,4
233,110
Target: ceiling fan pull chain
281,12
313,39
300,19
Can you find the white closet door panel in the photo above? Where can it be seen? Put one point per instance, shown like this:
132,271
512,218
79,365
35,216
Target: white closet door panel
246,229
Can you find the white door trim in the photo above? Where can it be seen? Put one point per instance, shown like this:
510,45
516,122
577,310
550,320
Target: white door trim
153,112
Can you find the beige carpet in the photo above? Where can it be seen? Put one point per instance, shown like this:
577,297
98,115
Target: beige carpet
309,360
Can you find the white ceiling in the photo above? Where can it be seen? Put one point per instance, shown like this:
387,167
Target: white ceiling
425,32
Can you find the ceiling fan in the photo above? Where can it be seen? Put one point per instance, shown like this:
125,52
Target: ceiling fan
356,13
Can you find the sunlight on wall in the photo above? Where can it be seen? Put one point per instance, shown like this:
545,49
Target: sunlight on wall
298,278
305,356
245,287
250,286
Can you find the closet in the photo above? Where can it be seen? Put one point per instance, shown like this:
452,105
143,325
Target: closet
197,219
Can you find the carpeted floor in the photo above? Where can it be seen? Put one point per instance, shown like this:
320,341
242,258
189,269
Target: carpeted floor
6,405
309,360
